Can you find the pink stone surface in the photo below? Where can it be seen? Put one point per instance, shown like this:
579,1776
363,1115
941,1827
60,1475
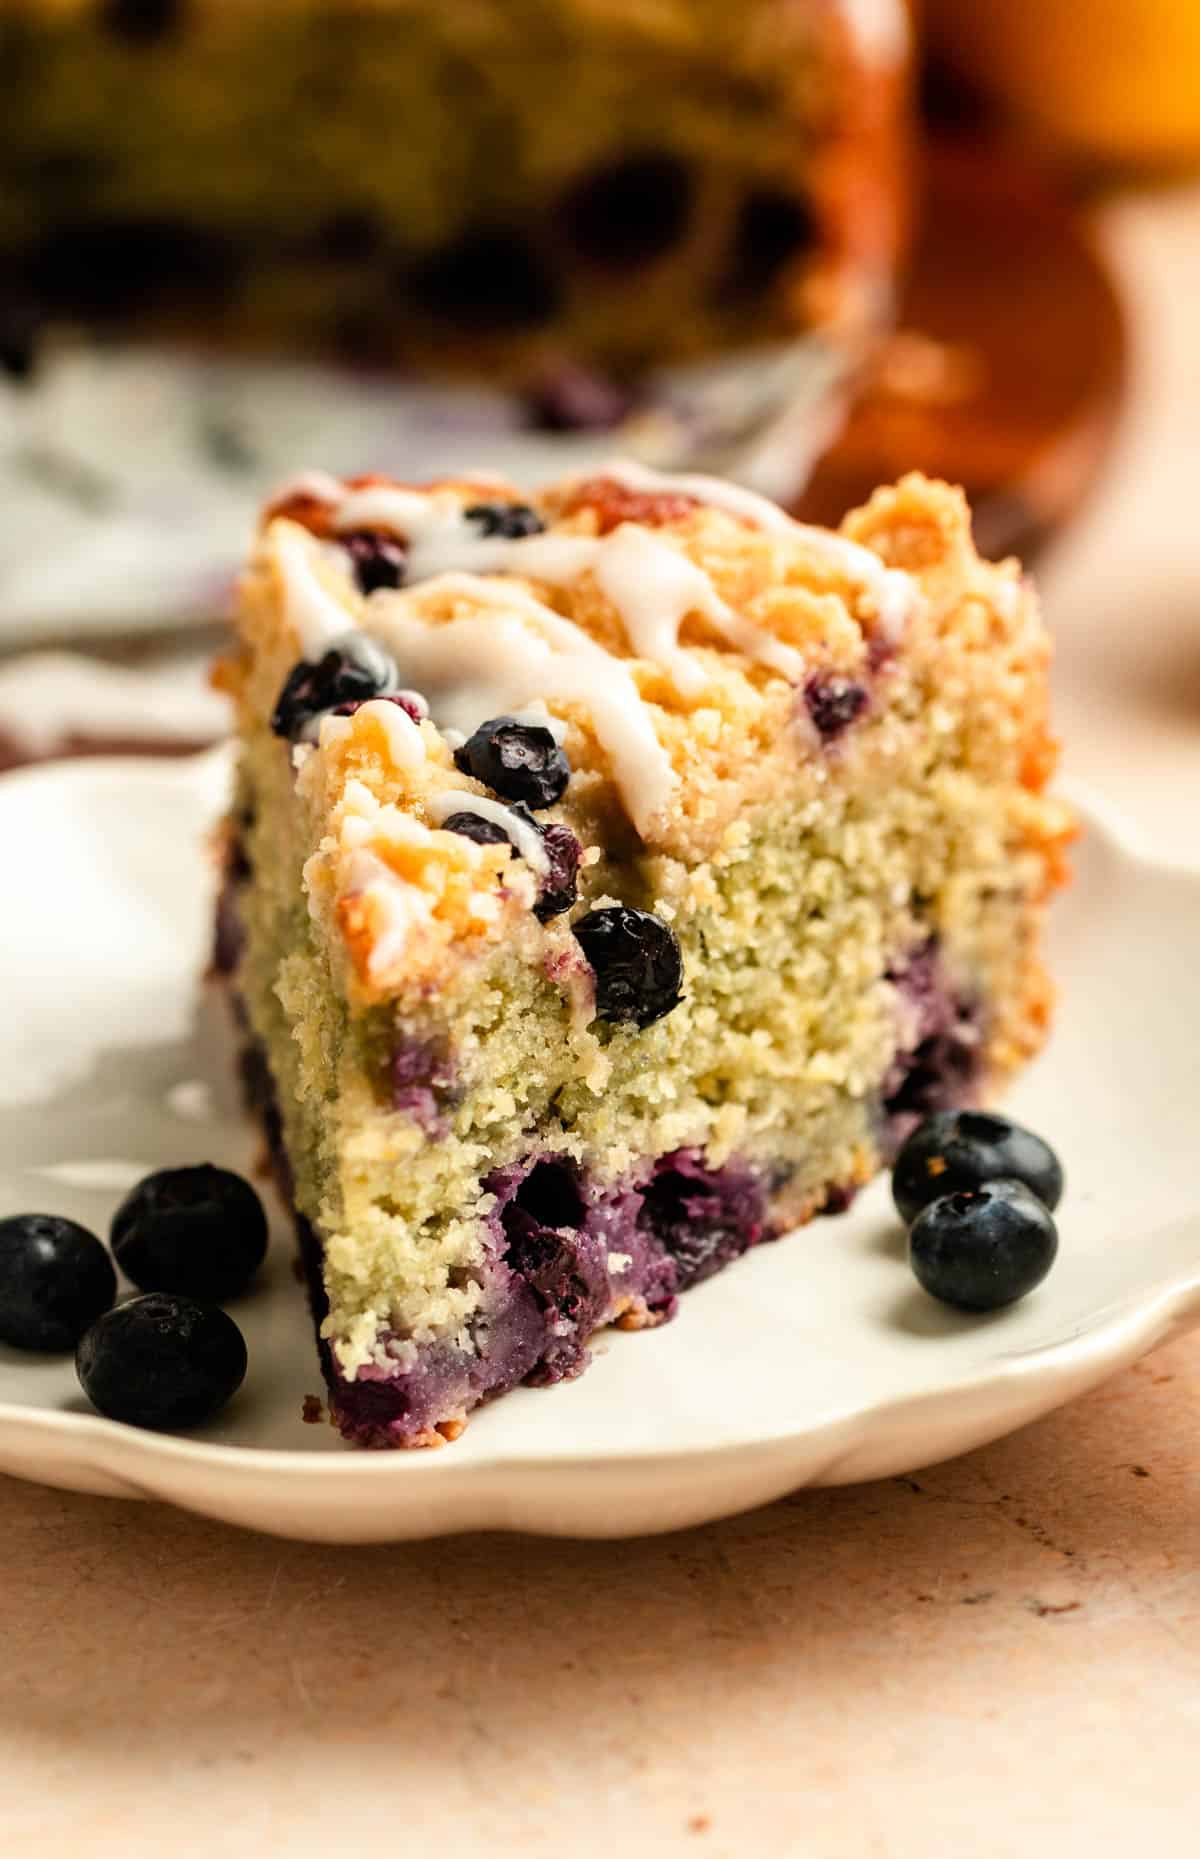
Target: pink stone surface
996,1659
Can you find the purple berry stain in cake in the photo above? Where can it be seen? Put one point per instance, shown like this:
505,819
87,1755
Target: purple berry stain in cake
420,1079
936,1066
564,1256
703,1217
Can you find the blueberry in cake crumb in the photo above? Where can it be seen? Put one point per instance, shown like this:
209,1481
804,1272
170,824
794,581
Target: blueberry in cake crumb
358,671
703,1217
984,1247
636,962
834,703
161,1361
379,561
518,761
510,520
560,884
55,1279
473,826
419,1078
955,1150
198,1231
558,888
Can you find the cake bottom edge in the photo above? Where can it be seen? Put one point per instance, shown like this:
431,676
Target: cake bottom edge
565,1260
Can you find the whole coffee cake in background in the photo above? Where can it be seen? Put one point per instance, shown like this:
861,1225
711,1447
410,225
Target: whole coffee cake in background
506,184
614,875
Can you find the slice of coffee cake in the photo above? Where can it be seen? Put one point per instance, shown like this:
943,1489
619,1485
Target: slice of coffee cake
613,877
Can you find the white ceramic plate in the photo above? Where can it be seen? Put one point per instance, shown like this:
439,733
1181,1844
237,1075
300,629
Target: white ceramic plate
816,1360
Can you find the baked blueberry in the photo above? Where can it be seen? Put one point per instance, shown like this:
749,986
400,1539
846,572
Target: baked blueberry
518,761
984,1247
55,1279
510,520
474,826
161,1361
198,1231
358,669
957,1149
560,884
833,703
379,561
636,962
558,888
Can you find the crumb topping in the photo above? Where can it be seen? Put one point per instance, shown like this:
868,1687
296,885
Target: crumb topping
689,663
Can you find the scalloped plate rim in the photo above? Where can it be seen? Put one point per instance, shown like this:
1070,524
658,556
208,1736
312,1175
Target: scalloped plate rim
136,1464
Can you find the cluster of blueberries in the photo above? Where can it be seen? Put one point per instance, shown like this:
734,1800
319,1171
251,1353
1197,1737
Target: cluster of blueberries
189,1239
977,1193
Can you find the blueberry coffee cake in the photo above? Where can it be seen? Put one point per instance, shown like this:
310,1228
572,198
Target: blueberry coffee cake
506,183
616,875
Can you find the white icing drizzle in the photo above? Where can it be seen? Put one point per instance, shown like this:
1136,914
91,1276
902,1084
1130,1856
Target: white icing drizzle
311,610
526,838
481,666
653,586
539,717
401,906
477,666
893,591
405,745
438,536
718,492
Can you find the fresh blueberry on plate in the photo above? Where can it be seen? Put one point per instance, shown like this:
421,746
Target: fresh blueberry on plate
982,1248
55,1279
518,761
199,1231
161,1361
956,1149
636,962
